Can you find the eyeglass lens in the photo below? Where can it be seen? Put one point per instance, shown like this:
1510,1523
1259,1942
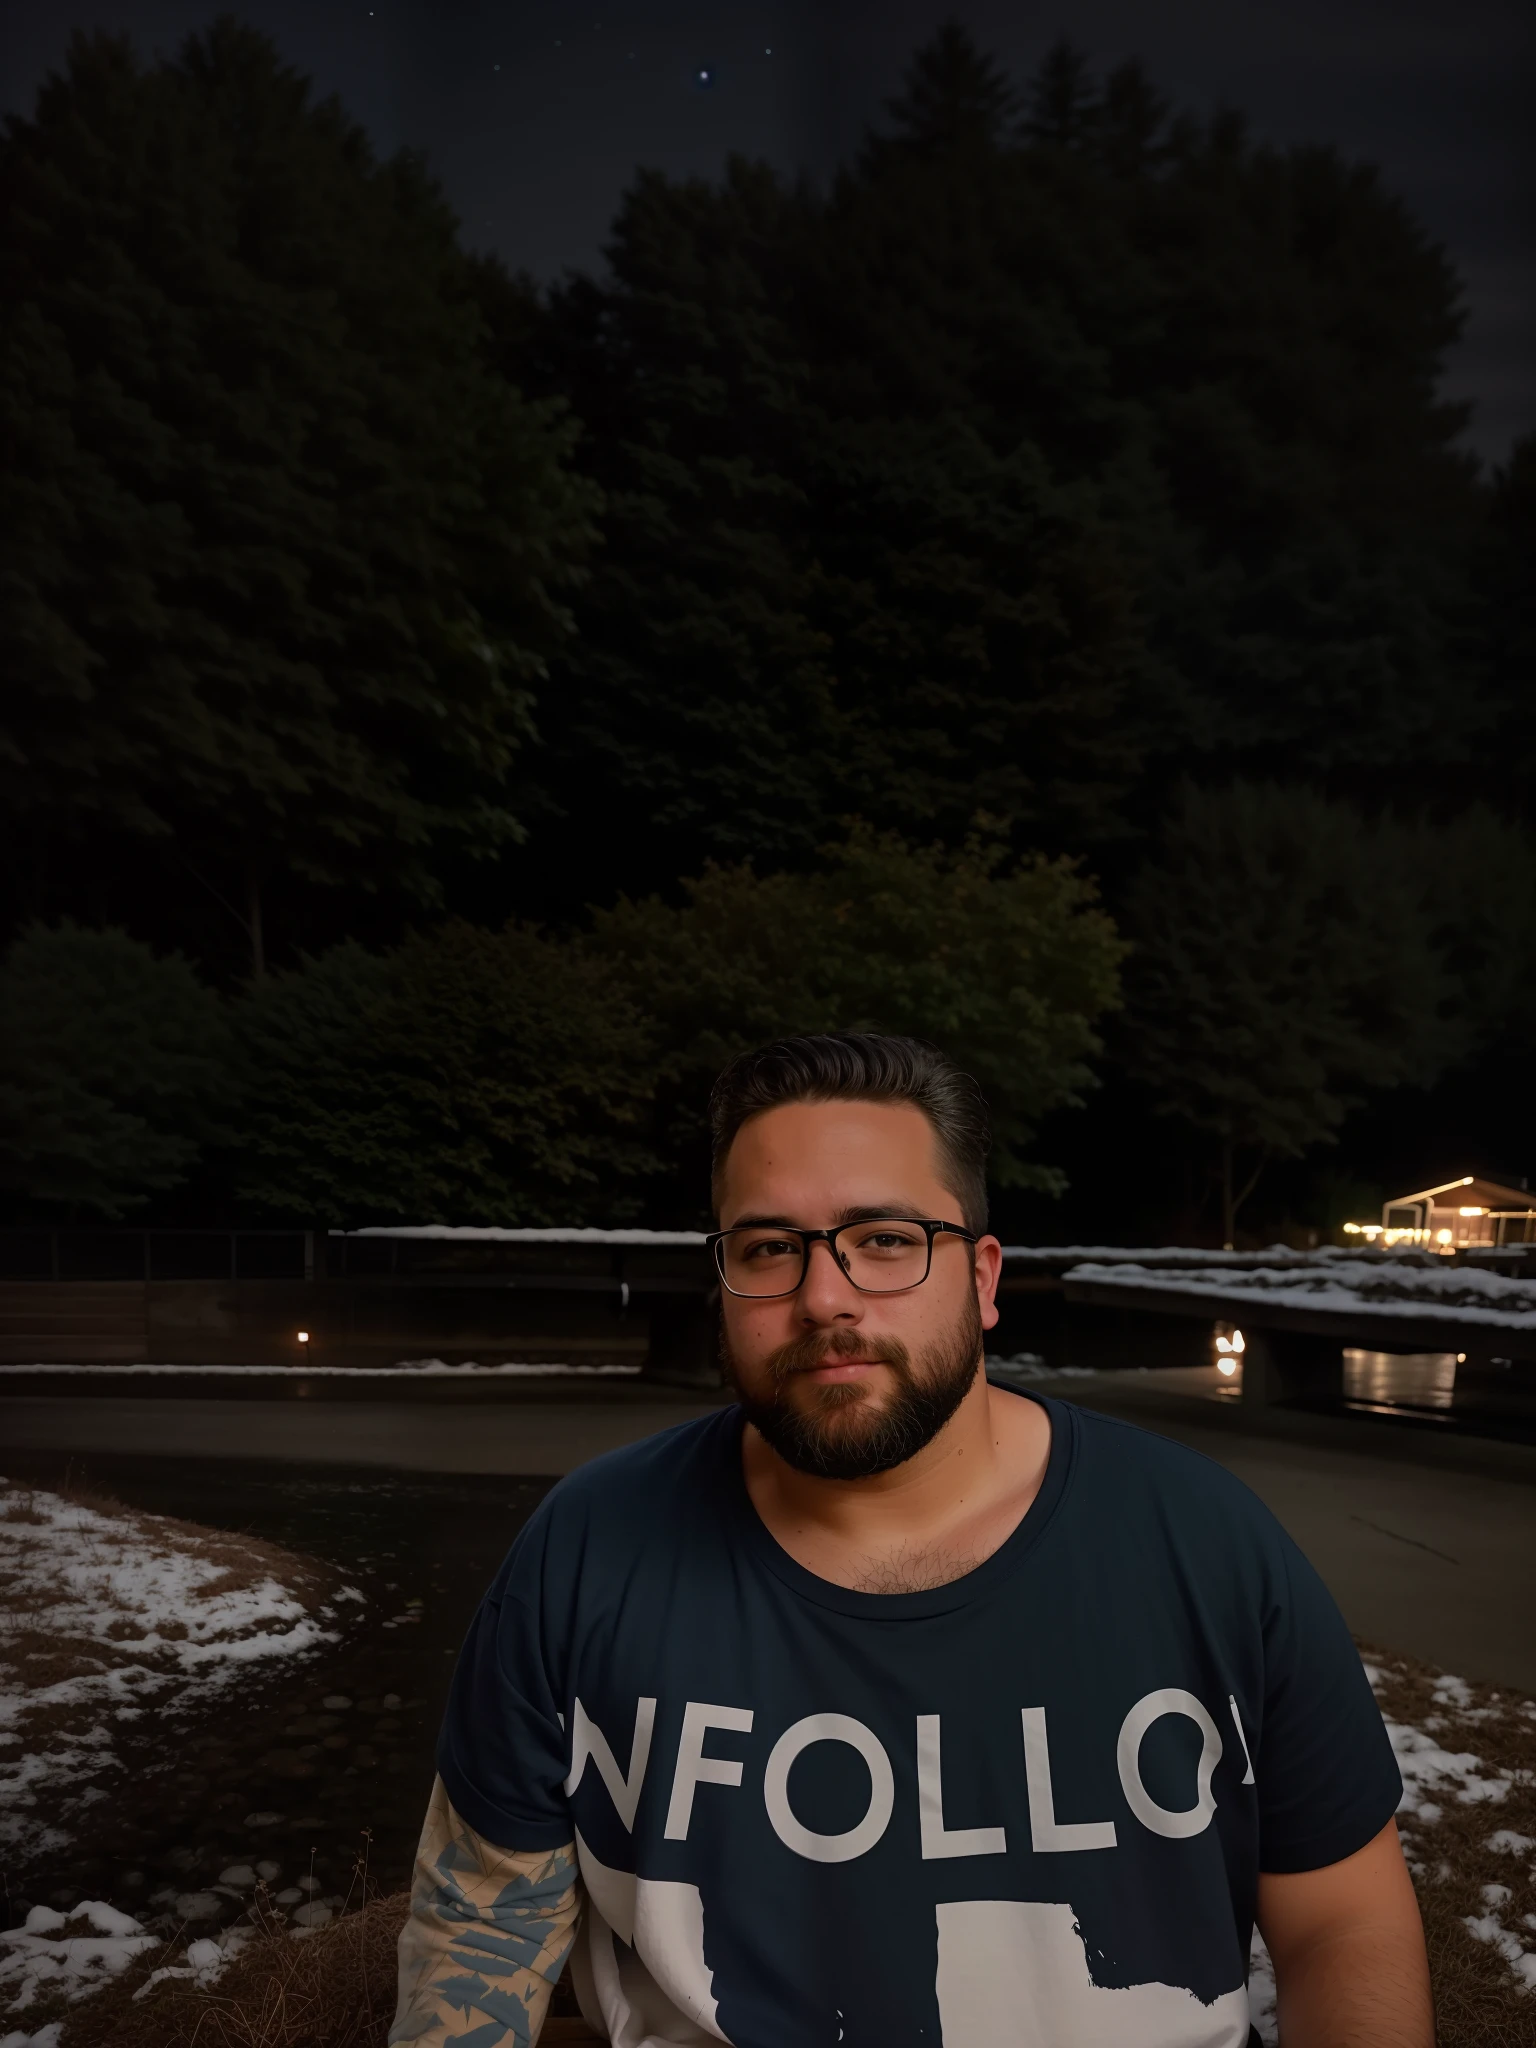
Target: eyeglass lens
881,1257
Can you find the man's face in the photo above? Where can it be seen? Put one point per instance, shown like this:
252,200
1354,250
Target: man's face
841,1383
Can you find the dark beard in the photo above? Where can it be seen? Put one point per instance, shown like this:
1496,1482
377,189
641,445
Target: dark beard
832,1439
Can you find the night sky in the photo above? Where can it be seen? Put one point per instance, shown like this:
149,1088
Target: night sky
536,114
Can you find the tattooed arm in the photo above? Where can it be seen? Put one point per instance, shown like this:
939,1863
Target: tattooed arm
487,1934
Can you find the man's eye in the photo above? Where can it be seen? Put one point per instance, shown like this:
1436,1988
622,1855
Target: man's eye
888,1241
771,1248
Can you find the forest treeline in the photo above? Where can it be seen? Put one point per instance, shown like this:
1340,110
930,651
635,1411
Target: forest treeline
1029,592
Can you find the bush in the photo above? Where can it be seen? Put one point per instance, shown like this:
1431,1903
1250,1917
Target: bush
113,1065
469,1076
1007,967
1293,957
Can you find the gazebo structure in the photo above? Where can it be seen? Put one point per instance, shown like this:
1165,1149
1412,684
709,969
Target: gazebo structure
1457,1215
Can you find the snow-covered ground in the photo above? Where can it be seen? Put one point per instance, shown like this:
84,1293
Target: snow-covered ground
1400,1286
61,1958
407,1368
1026,1366
112,1615
1468,1824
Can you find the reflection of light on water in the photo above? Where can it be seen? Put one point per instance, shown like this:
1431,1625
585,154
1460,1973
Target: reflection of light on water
1412,1379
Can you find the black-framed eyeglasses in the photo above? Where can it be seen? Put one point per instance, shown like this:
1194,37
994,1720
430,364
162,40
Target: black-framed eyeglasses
882,1255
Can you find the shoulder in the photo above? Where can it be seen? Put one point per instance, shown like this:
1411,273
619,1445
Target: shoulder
645,1484
1155,1480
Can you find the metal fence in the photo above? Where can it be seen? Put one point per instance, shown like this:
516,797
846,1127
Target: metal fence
157,1254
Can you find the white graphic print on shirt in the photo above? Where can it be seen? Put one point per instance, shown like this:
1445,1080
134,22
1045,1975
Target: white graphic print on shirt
1010,1973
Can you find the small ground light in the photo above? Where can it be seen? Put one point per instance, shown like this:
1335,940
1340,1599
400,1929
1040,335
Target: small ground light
1461,1358
303,1336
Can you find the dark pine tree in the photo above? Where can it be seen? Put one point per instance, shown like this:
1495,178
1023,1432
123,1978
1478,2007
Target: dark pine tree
1037,461
284,556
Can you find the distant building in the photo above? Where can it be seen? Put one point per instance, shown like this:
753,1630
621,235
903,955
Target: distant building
1456,1214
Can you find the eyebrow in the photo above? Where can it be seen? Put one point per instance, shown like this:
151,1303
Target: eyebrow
870,1212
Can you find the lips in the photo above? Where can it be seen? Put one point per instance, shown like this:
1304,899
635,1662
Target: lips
827,1361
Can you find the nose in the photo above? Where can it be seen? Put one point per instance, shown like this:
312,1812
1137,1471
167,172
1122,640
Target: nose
826,1293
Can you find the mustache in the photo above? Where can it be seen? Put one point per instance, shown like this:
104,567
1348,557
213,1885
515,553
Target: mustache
816,1347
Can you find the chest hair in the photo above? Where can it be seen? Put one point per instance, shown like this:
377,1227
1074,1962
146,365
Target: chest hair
911,1570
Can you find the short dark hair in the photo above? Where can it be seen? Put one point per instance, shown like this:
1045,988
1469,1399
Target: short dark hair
862,1066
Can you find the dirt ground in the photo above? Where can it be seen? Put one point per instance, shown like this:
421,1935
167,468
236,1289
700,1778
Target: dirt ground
1472,1746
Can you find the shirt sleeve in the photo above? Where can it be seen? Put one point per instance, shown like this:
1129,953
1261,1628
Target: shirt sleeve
503,1752
486,1938
1326,1777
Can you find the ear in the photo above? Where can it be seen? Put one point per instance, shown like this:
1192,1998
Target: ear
989,1271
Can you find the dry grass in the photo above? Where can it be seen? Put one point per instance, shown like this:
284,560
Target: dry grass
1478,1999
331,1989
336,1988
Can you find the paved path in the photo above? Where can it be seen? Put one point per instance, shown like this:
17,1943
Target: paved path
529,1438
1428,1543
1427,1540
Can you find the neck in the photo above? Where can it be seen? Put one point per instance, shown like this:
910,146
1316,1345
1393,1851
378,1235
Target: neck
926,1521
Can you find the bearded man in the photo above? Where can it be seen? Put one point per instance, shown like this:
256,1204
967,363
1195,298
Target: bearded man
889,1706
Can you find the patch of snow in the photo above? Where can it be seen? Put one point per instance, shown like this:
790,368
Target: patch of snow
1261,1992
1450,1691
46,1958
1429,1767
1166,1255
1029,1365
414,1368
1487,1927
1465,1293
201,1962
149,1618
43,1957
1426,1768
474,1233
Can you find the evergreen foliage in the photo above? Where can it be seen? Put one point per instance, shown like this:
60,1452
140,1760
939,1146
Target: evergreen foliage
282,554
1035,459
467,1077
114,1071
1064,447
513,1078
1291,957
1008,966
1506,616
954,95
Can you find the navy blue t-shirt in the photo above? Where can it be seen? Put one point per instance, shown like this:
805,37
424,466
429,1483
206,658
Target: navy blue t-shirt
1027,1808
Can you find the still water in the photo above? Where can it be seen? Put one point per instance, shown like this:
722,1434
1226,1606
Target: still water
1401,1379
